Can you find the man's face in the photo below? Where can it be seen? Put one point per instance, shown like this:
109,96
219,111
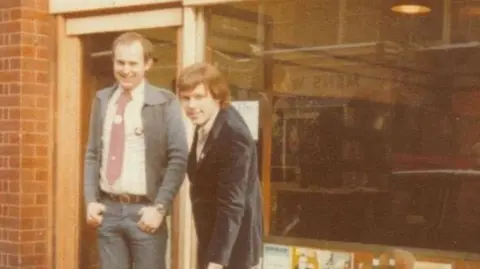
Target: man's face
199,105
129,65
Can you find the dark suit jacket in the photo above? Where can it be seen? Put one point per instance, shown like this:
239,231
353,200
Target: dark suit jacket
226,196
165,138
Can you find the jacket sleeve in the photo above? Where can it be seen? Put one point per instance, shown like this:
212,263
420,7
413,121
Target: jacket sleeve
231,199
91,160
177,153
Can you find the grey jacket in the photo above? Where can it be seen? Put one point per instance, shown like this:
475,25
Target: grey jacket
166,145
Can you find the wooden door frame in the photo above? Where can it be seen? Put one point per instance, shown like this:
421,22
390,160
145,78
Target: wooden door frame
71,102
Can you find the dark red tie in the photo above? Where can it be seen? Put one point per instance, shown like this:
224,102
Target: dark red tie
117,140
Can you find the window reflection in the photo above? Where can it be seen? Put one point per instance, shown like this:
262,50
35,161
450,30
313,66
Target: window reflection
375,134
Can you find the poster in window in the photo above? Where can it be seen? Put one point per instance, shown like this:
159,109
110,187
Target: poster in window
305,258
277,257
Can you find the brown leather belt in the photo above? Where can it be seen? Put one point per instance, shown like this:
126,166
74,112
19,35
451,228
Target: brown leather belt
127,198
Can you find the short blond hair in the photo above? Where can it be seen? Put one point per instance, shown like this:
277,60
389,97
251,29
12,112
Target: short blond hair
132,37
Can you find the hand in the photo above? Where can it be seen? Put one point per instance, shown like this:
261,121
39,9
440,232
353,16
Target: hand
150,220
212,265
95,214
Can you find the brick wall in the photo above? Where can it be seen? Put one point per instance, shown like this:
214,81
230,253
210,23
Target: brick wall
26,52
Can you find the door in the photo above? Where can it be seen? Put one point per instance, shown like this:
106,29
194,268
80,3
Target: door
84,67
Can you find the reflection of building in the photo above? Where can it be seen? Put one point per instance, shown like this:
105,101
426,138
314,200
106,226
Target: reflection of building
405,88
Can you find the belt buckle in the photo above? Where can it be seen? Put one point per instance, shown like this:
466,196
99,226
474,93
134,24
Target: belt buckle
124,198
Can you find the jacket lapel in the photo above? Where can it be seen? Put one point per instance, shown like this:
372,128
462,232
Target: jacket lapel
212,136
104,97
192,156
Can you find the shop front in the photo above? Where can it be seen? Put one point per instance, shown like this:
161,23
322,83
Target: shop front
368,124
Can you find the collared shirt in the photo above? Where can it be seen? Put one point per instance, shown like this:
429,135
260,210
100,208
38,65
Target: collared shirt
133,177
203,132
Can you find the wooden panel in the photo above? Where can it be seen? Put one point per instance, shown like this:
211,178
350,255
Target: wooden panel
124,21
210,2
68,149
62,6
189,53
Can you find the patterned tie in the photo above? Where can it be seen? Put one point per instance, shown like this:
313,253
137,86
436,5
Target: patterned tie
117,139
202,138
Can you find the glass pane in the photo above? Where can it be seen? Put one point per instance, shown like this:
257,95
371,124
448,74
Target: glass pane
374,117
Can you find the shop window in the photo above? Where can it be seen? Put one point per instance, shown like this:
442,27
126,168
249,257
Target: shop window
374,126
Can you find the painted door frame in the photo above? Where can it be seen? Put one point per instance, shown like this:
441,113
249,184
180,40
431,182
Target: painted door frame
72,110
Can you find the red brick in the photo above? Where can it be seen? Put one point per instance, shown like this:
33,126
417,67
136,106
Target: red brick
32,138
34,114
41,151
28,51
28,126
14,138
28,27
41,127
9,76
40,248
34,162
30,187
9,101
14,186
41,199
14,162
29,4
14,63
13,211
35,14
27,248
10,26
41,223
34,89
11,150
28,101
42,53
34,64
15,39
27,174
42,102
13,88
27,198
42,77
14,113
28,150
8,126
34,212
7,174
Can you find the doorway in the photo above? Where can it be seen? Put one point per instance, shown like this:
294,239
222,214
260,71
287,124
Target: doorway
85,66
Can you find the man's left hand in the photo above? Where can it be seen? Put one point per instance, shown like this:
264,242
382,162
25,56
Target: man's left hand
214,266
150,220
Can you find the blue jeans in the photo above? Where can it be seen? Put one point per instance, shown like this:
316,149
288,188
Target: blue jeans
121,243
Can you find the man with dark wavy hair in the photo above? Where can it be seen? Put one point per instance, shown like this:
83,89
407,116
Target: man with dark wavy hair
223,170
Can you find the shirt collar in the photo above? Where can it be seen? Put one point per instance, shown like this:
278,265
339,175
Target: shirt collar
137,92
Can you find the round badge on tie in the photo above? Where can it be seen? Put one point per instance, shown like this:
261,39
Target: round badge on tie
138,131
118,119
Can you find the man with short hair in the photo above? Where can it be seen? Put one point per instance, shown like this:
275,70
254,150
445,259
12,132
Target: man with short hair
223,170
135,161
